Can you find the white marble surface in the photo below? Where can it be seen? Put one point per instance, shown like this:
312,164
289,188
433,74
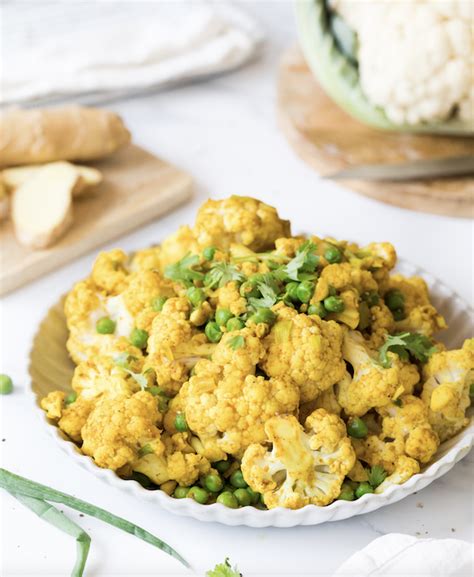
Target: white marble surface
224,132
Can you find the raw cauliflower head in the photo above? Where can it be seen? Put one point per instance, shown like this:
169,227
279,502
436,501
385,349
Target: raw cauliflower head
241,220
372,385
306,350
407,422
448,377
305,466
119,427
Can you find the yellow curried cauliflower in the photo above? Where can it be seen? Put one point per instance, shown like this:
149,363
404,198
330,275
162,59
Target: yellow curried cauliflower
381,325
448,377
179,462
70,418
146,259
118,427
306,350
409,426
109,273
372,385
239,219
305,466
420,315
405,468
178,245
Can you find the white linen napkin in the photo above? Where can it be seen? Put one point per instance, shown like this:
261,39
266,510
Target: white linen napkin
397,555
91,50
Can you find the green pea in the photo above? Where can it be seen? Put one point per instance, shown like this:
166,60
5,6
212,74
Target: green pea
291,291
70,398
347,493
180,492
305,291
317,309
213,483
334,304
248,289
221,466
213,332
332,254
398,314
395,300
263,316
6,385
195,295
228,499
139,338
371,298
199,494
105,326
222,316
363,489
254,496
237,480
208,253
357,428
157,303
243,497
235,324
180,423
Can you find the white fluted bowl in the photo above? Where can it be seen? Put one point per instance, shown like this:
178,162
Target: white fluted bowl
51,369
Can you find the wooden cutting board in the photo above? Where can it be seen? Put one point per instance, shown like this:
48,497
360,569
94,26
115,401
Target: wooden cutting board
137,188
325,137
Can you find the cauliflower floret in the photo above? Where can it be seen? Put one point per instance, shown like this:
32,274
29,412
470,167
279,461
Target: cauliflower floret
381,325
405,468
372,385
327,400
109,272
242,359
306,350
305,466
448,377
408,424
179,462
350,316
143,287
118,427
69,417
178,245
288,246
103,375
241,220
228,297
146,259
420,314
53,404
227,406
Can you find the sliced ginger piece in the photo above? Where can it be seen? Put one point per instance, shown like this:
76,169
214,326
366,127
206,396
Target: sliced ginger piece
87,177
42,205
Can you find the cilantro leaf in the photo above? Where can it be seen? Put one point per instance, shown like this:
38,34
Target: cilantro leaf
303,265
269,290
236,342
404,344
224,570
221,273
377,475
183,271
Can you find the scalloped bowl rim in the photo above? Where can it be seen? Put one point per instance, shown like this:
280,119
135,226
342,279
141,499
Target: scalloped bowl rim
281,517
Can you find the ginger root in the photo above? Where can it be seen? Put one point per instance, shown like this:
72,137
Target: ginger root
69,133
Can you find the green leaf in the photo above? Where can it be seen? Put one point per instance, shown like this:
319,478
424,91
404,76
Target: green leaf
303,265
236,342
224,570
269,290
145,450
123,359
221,273
183,271
377,475
25,487
54,517
404,344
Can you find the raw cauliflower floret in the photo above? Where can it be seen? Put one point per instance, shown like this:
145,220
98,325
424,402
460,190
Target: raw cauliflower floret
179,462
448,377
409,426
109,272
104,375
241,220
118,427
305,466
306,350
420,315
372,385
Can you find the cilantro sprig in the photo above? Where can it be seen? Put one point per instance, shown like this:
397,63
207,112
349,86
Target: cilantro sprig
405,344
184,271
236,342
221,273
224,570
377,475
303,265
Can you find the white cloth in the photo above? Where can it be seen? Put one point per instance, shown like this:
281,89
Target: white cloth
397,555
96,49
